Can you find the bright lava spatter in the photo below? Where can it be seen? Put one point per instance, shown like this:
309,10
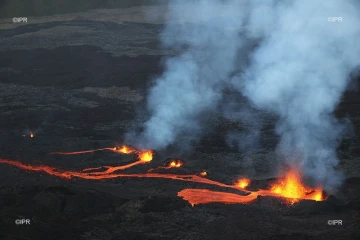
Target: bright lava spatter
289,189
243,183
175,163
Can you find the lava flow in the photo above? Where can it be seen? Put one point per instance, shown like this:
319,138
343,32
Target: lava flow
109,173
203,196
123,149
175,163
81,152
289,188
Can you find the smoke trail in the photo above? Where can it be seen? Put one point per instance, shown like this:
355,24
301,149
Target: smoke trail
192,82
300,72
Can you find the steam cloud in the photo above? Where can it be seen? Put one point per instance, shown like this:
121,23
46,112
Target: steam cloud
299,72
192,82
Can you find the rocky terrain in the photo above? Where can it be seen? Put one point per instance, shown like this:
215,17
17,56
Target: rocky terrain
78,81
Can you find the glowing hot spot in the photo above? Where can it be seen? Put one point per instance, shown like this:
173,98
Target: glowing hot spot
203,173
125,149
175,163
243,183
318,195
292,187
31,134
146,155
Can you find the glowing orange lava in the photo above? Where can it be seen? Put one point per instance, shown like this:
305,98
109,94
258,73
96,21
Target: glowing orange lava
243,183
109,173
203,196
175,163
81,152
203,173
31,134
290,188
146,155
125,149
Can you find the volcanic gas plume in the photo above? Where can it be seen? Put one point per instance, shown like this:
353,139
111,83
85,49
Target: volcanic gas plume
298,71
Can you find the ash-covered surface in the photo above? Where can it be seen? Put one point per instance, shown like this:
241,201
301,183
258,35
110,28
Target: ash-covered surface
78,85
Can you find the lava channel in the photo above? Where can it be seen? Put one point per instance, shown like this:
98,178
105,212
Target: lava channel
204,196
289,188
123,150
109,173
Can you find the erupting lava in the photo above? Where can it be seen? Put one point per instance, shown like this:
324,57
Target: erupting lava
176,163
203,173
203,196
243,183
31,135
146,155
122,150
125,149
289,188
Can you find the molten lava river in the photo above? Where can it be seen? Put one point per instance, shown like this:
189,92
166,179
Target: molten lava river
290,188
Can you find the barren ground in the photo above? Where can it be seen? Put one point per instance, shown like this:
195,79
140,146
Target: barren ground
77,81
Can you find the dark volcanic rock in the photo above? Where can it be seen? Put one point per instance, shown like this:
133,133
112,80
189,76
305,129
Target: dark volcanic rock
163,204
79,85
64,200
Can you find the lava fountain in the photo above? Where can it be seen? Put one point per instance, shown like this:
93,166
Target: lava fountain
145,155
291,187
243,183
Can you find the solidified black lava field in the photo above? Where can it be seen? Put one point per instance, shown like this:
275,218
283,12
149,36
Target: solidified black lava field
80,85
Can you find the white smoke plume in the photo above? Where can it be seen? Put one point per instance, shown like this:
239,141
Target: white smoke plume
192,82
299,72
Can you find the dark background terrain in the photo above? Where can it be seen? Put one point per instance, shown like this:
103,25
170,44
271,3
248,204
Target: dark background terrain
77,81
11,8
